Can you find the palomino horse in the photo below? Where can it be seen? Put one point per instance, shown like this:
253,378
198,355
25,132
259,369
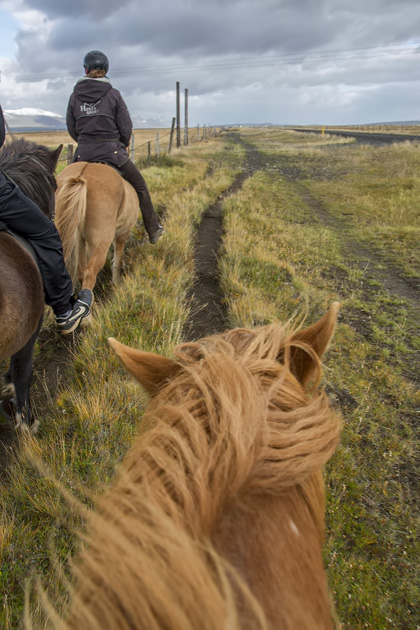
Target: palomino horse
31,167
95,206
216,519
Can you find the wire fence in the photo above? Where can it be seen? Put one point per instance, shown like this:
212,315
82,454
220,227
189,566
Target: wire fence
162,144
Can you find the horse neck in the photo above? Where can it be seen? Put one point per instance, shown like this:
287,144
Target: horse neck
28,168
275,544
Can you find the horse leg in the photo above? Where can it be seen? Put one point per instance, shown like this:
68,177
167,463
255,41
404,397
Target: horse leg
119,245
96,263
7,388
21,370
82,263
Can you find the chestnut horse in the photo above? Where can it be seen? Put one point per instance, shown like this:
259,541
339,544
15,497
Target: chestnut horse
95,207
31,166
216,519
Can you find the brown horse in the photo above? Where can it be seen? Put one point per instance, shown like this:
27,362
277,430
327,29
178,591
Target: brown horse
31,167
216,519
95,207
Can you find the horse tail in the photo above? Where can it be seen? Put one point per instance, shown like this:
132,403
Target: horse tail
71,203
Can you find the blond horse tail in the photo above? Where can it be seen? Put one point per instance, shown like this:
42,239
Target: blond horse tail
70,212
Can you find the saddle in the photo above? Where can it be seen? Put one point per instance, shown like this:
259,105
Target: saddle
26,244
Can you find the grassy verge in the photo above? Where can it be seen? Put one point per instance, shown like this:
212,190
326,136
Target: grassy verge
280,259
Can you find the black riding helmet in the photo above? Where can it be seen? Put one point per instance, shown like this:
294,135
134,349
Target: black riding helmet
95,60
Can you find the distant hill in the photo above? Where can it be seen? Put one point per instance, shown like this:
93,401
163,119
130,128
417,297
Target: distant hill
30,119
396,123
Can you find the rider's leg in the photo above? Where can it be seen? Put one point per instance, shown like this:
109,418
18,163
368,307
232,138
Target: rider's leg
22,216
150,220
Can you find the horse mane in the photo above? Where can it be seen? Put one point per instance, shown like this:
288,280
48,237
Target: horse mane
31,167
234,422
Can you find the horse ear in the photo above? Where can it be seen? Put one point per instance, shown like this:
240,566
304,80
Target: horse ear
55,155
318,337
149,369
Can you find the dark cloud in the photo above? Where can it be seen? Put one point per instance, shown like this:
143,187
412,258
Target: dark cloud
99,9
307,57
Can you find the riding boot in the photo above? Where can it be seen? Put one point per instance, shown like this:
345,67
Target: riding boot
133,175
22,216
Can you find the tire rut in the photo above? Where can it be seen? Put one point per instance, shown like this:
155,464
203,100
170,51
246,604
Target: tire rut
376,267
208,313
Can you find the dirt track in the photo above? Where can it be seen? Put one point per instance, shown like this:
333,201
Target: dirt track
374,139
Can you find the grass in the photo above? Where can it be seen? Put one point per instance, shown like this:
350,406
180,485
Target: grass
280,260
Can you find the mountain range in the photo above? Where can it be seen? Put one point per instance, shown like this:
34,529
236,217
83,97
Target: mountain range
32,119
29,119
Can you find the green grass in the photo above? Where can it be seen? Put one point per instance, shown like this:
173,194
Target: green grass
279,260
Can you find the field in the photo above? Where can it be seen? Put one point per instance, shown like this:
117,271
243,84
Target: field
139,146
304,220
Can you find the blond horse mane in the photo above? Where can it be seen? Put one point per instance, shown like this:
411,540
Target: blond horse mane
228,419
71,203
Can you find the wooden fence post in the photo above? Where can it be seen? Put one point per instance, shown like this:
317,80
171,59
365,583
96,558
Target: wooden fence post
186,118
198,133
132,147
178,123
149,153
157,144
70,153
172,134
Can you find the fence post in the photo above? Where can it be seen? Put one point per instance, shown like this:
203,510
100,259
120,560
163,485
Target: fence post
132,147
70,153
198,133
172,134
178,123
157,144
186,118
149,153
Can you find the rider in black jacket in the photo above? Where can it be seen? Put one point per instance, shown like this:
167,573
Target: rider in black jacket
22,216
98,120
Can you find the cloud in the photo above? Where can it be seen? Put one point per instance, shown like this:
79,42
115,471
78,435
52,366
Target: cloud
277,58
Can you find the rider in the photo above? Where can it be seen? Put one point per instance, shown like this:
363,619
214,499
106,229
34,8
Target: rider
98,120
21,215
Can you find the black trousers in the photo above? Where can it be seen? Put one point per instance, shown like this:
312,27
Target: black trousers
22,216
132,174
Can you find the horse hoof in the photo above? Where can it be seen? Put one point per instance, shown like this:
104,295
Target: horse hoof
34,428
7,408
86,321
18,422
26,428
8,391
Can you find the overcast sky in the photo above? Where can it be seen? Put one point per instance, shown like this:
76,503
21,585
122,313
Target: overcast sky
243,61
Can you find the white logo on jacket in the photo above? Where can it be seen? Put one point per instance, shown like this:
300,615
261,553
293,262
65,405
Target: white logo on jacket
90,109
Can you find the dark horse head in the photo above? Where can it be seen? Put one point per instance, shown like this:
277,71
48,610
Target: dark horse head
31,166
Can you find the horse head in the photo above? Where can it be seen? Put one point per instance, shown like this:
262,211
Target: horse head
217,512
32,167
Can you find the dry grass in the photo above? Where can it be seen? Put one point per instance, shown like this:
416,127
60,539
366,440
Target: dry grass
140,139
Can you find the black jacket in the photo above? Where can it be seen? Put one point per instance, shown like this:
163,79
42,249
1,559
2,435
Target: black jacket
98,120
2,128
